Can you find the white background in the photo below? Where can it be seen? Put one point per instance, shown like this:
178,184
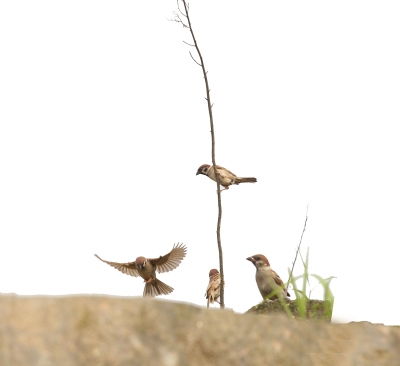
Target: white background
104,124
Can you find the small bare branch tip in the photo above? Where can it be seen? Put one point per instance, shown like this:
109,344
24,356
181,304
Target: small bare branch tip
178,19
189,44
187,10
194,59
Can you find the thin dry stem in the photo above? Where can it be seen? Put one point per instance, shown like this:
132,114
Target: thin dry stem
298,248
209,105
188,44
194,59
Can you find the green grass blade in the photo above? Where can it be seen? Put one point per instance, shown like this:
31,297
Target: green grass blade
329,299
301,298
305,276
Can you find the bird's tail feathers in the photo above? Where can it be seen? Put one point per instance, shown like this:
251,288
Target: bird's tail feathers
246,180
156,288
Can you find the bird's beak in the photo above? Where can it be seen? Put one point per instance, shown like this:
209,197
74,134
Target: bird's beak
197,173
251,259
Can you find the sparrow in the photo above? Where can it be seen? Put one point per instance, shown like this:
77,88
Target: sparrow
226,177
267,279
147,267
212,292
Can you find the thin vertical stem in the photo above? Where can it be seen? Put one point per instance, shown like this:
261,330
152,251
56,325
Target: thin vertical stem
298,249
221,264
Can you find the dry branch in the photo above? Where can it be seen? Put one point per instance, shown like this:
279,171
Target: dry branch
209,105
298,249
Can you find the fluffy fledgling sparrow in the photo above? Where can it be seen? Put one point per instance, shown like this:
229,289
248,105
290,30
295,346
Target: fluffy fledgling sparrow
267,279
226,177
212,292
147,267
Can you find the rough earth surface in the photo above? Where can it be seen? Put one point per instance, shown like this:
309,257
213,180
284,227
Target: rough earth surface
101,330
315,309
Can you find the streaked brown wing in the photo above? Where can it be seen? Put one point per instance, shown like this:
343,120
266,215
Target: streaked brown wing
278,280
171,260
214,283
225,172
127,268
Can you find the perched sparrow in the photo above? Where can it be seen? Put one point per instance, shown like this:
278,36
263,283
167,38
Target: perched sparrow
267,279
147,267
226,177
212,292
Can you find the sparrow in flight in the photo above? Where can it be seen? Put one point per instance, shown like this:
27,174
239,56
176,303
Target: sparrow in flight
226,177
267,279
147,267
212,292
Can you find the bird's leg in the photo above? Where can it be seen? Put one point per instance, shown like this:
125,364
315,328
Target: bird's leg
148,281
218,180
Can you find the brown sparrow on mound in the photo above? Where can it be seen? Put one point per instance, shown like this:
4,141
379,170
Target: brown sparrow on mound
267,279
226,177
147,267
212,292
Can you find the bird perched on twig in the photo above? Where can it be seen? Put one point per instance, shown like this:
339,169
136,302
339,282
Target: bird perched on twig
226,178
267,279
212,292
147,267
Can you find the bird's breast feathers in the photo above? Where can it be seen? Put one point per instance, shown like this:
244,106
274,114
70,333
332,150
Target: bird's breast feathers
226,177
147,272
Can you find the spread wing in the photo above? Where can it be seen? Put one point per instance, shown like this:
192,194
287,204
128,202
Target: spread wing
223,172
127,268
171,260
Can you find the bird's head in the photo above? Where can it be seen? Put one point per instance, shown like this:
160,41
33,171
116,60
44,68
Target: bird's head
203,169
259,260
213,272
141,262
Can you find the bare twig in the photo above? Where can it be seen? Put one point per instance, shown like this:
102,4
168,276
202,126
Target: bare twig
298,248
209,105
188,44
177,3
195,60
177,18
